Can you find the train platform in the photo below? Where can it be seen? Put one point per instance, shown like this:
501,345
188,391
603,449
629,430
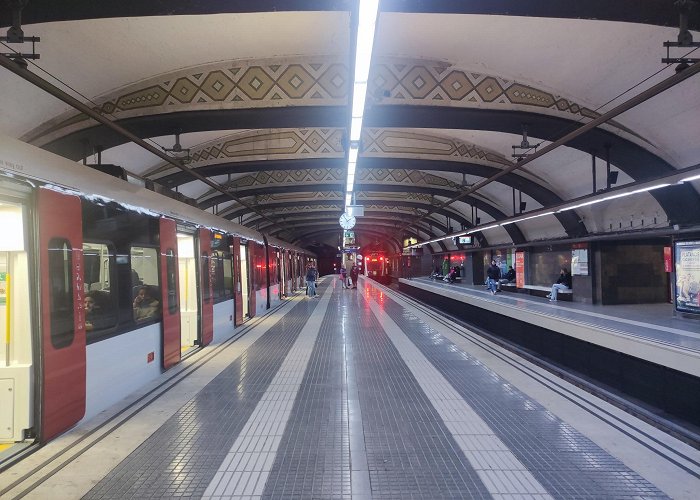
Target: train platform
359,394
649,331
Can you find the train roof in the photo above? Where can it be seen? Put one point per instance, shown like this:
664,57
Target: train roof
19,159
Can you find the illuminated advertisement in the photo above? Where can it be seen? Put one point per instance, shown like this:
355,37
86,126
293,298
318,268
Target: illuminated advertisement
687,264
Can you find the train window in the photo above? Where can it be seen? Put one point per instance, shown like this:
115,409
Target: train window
61,292
100,300
145,284
206,278
223,275
170,270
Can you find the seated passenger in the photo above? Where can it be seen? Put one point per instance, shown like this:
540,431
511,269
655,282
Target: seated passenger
145,306
90,313
509,277
563,283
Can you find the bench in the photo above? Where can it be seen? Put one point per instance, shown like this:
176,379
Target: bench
538,291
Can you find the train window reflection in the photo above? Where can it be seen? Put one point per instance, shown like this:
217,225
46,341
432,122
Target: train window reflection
223,275
145,283
206,278
61,292
170,270
100,297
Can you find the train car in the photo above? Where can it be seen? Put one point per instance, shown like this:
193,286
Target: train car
105,284
378,266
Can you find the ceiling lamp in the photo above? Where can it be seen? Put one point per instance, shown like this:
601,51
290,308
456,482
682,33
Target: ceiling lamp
363,57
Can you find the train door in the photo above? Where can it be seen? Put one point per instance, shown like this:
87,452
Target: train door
206,292
237,283
17,389
253,274
245,281
282,268
187,287
63,342
169,293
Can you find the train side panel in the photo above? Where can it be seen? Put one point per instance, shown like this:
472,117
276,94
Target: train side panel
120,365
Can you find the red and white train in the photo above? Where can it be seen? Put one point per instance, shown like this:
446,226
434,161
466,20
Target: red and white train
105,284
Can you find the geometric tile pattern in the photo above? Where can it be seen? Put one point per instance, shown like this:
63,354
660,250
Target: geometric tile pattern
401,176
395,143
270,178
410,451
182,456
268,144
248,464
363,400
392,176
497,467
313,460
238,84
438,83
566,463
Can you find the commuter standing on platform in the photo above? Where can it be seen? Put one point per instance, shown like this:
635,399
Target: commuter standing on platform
493,274
344,276
563,283
311,275
354,273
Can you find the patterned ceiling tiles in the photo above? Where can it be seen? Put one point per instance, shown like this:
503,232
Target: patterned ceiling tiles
281,144
382,143
316,81
256,145
321,176
437,83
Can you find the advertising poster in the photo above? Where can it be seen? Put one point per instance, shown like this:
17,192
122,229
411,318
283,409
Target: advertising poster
579,260
520,269
687,264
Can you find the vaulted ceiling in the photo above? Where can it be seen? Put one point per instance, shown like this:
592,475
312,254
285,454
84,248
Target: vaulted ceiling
260,95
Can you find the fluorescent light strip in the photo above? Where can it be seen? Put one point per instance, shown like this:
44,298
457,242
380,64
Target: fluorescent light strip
613,197
363,58
526,218
571,207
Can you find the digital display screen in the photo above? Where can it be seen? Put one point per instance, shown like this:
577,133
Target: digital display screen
465,240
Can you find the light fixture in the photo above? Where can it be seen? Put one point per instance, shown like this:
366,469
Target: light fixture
367,21
182,154
685,38
689,179
521,151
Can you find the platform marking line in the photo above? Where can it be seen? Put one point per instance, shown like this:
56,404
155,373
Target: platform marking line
497,467
71,453
245,470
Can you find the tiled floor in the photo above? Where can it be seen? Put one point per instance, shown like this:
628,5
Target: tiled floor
355,395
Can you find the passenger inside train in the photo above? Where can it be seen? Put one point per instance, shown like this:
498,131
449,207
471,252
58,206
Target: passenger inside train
92,313
145,306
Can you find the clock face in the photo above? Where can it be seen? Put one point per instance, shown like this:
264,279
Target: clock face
347,221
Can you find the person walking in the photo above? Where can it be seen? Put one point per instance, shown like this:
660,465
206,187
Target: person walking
354,273
493,273
311,275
